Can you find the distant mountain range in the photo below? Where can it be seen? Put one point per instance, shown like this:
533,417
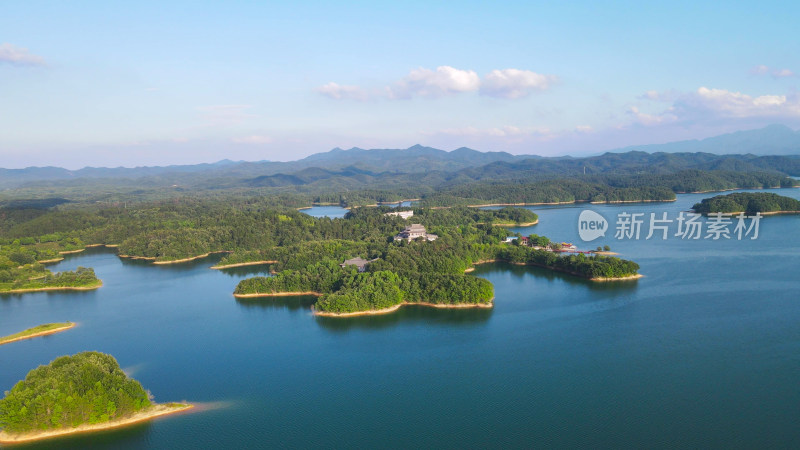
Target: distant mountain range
770,140
358,166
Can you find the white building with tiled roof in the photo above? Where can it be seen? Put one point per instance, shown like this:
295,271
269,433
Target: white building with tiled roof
414,231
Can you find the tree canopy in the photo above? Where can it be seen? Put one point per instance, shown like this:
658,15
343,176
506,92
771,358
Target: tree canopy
88,387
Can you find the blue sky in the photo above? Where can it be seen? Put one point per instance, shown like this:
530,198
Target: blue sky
144,83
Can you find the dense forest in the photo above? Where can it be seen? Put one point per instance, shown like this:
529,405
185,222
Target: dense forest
36,277
413,272
359,177
257,220
746,202
86,388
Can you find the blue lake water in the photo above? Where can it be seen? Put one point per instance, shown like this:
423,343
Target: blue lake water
704,351
338,212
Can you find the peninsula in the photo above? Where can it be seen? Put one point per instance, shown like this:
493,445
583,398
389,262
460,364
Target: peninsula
39,330
35,278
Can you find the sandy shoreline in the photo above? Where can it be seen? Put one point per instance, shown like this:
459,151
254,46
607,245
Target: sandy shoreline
67,252
522,204
41,333
394,308
50,261
174,261
178,261
251,263
629,277
521,224
145,258
54,288
277,294
151,413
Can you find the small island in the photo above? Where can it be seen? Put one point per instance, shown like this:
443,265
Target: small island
39,330
749,203
76,394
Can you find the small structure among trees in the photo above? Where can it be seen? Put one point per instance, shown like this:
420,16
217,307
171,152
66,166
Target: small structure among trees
359,262
401,214
415,231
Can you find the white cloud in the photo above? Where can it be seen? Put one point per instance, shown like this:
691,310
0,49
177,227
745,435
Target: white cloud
777,73
19,56
651,119
339,92
514,83
445,80
783,73
707,105
255,139
663,96
736,104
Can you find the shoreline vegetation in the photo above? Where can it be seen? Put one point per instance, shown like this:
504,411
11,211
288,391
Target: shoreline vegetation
174,261
20,273
748,203
191,258
629,277
69,252
91,287
50,261
39,330
514,225
157,410
278,294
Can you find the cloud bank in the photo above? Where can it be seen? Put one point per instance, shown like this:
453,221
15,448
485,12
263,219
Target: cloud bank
447,81
514,83
18,56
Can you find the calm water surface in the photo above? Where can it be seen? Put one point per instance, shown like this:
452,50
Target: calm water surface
702,352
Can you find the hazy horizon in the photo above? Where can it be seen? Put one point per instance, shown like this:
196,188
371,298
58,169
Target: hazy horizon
149,83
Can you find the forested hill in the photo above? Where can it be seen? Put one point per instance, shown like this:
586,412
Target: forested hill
359,168
748,202
411,160
771,140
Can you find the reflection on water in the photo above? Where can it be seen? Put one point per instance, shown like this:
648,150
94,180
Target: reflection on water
291,302
261,270
408,315
543,274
